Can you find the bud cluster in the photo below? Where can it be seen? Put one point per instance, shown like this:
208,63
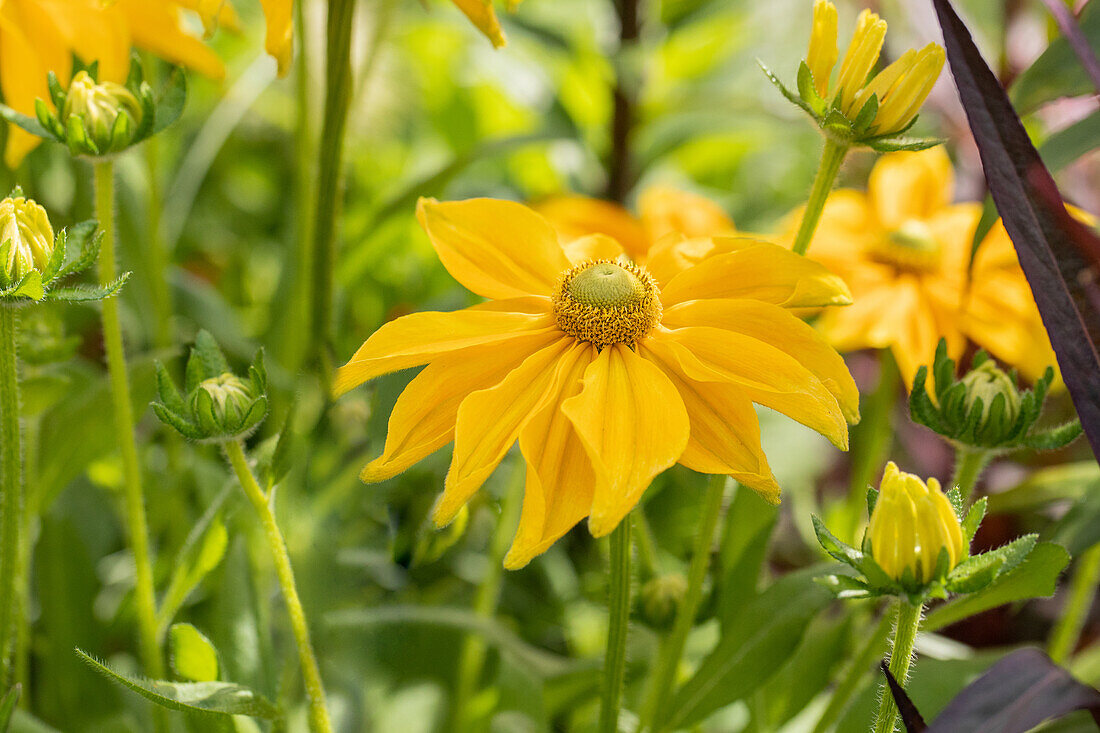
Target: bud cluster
33,258
985,409
219,406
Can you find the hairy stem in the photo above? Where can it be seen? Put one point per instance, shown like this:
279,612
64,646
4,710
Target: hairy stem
969,464
901,656
311,674
618,609
831,158
136,524
11,486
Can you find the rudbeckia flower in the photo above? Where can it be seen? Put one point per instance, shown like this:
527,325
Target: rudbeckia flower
904,249
39,36
606,372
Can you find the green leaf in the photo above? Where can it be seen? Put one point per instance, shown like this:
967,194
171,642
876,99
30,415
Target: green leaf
88,293
752,648
744,546
1058,71
29,124
898,144
203,550
192,655
973,519
203,697
172,99
807,672
29,287
7,707
791,96
839,550
1037,576
1066,146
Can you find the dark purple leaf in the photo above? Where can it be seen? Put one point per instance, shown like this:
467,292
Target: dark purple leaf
910,716
1060,257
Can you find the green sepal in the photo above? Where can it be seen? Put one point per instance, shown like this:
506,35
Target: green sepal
29,124
872,500
171,419
973,519
1054,438
89,239
167,393
86,293
28,286
57,257
791,96
865,116
837,124
57,93
978,571
147,100
839,550
210,356
900,144
77,137
122,133
807,91
48,120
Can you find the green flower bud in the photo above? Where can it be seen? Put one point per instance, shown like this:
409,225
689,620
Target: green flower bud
222,401
659,599
106,113
26,237
985,383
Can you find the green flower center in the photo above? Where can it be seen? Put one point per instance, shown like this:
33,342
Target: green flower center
912,246
607,302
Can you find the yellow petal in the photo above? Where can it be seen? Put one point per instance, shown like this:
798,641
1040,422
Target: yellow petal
592,247
416,339
497,249
822,54
279,40
490,420
22,79
484,18
725,432
633,425
908,185
777,327
423,419
759,271
674,253
155,26
762,372
860,58
904,100
560,477
665,210
577,216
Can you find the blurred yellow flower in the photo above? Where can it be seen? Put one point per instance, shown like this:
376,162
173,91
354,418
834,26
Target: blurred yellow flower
911,524
39,36
901,87
904,250
605,372
484,18
673,229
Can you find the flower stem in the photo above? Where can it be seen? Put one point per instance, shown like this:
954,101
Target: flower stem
330,156
831,158
472,657
136,523
901,656
311,675
1082,592
11,486
872,649
618,608
663,678
969,464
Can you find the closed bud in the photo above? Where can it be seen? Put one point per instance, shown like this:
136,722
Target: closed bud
912,525
222,401
659,599
986,383
26,238
108,113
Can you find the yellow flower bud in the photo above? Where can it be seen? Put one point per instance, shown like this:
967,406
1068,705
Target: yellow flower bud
26,237
902,88
861,57
911,524
99,104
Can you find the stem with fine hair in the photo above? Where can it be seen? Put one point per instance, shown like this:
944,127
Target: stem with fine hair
969,464
472,657
831,158
1082,592
311,674
330,157
11,488
618,609
663,678
136,524
901,656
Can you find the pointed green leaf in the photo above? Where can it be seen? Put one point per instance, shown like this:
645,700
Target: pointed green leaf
29,124
898,144
192,655
837,549
7,707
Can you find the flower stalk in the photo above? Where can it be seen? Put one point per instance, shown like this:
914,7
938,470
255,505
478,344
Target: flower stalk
969,464
1082,592
11,488
901,657
663,678
614,665
831,159
136,523
319,721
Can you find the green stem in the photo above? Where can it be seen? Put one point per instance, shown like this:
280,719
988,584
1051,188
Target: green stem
137,526
618,609
11,501
901,656
472,657
311,674
337,102
871,442
831,158
969,464
1082,592
864,660
663,679
647,547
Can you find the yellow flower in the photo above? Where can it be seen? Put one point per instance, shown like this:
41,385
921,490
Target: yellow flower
605,371
673,229
39,36
904,250
911,524
484,18
26,237
901,87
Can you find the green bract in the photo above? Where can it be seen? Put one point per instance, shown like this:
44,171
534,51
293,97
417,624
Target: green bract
219,406
35,260
985,409
98,119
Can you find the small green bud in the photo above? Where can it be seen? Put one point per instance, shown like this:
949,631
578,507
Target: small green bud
26,238
225,398
659,599
987,382
105,113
